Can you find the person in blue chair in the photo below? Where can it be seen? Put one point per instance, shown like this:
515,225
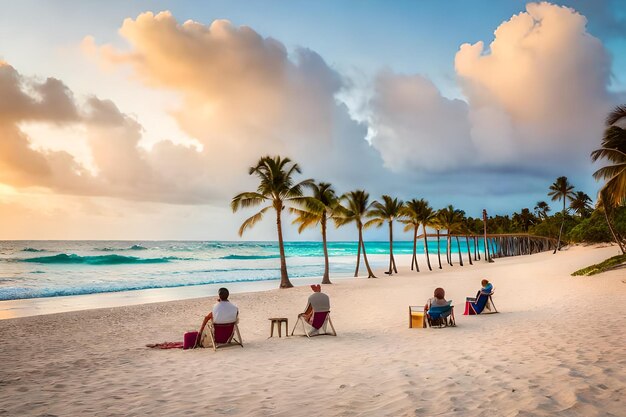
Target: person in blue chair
486,288
439,299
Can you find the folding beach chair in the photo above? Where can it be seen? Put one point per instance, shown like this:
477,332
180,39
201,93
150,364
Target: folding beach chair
321,320
221,335
441,316
474,306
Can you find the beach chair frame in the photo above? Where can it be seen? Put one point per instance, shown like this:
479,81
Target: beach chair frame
447,321
309,333
234,339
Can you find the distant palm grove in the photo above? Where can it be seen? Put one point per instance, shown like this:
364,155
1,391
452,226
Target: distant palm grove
572,219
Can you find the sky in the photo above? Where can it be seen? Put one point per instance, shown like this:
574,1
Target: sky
139,120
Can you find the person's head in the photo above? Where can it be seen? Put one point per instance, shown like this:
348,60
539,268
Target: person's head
484,282
440,294
223,294
316,288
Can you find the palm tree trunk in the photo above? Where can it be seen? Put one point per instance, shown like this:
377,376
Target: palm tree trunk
439,248
458,247
326,277
367,264
358,252
390,271
284,278
414,260
558,242
617,239
469,252
414,248
426,248
449,248
393,259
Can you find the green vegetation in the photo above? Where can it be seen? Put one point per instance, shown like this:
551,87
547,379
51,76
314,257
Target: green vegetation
603,266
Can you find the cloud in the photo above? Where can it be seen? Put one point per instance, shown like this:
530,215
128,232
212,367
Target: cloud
535,99
244,96
416,127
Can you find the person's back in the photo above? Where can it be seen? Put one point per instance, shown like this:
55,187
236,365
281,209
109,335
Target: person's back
224,312
319,302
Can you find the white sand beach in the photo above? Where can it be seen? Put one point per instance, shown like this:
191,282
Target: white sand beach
557,348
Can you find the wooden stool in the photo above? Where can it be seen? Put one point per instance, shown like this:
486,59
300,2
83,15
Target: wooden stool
278,321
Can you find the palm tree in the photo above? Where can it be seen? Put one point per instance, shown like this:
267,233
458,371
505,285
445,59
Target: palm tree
524,219
318,211
452,220
607,208
435,224
416,213
541,210
386,212
355,211
277,188
561,190
581,204
614,151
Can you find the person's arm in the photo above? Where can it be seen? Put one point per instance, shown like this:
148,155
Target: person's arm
308,312
205,321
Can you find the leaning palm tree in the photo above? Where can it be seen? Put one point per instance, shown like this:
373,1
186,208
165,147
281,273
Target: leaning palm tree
607,210
614,151
386,212
416,213
451,219
317,210
355,210
561,189
542,209
277,188
581,204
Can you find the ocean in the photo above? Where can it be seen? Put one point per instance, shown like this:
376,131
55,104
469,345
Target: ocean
35,269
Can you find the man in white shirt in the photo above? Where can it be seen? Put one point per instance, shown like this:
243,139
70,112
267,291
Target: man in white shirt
223,311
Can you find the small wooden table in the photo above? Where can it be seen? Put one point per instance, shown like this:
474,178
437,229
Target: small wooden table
279,321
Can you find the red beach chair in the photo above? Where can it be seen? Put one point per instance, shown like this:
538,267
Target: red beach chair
318,327
222,335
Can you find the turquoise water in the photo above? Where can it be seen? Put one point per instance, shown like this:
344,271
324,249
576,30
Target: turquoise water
30,269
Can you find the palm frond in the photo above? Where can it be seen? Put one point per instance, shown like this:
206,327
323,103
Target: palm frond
252,220
247,199
618,113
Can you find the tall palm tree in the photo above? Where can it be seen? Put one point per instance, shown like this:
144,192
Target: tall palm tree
581,204
277,187
614,151
542,209
561,189
355,210
416,213
318,211
451,219
380,213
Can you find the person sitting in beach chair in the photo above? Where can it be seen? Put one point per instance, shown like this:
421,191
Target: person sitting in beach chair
482,301
220,324
316,315
439,312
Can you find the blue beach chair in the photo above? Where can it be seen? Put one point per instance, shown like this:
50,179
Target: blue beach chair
474,306
441,316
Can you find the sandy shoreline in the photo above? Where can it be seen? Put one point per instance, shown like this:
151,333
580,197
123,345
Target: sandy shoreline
551,351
